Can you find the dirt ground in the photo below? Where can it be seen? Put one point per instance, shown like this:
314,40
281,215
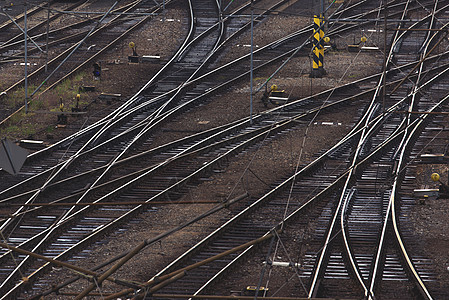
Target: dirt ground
118,77
275,160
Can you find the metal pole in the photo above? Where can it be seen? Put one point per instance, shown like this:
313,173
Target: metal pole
21,29
46,38
384,81
26,59
74,49
251,67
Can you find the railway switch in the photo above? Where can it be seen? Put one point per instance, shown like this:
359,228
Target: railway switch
423,200
62,119
422,195
251,290
355,47
61,104
134,58
435,177
77,103
274,95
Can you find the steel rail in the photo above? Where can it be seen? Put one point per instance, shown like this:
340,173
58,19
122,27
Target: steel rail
272,194
115,137
65,164
204,167
308,203
227,65
150,124
176,57
410,265
405,144
342,204
189,81
43,187
280,108
101,176
39,244
342,216
393,196
131,159
362,79
51,228
144,130
144,88
343,227
233,128
7,44
62,30
57,58
73,49
30,12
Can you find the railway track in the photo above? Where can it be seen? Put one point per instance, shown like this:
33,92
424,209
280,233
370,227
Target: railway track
71,52
360,203
336,161
360,229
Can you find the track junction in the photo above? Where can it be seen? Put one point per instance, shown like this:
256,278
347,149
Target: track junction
338,218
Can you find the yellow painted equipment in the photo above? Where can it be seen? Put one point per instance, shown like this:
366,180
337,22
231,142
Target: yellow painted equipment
251,290
435,177
318,46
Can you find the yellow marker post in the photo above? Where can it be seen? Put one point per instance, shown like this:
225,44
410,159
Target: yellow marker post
321,46
316,71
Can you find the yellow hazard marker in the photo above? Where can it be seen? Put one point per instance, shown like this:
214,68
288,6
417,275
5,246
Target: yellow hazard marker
316,47
327,39
61,104
363,39
435,177
132,45
321,46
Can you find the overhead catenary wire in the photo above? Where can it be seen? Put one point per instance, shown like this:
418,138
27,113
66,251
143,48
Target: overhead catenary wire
76,48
